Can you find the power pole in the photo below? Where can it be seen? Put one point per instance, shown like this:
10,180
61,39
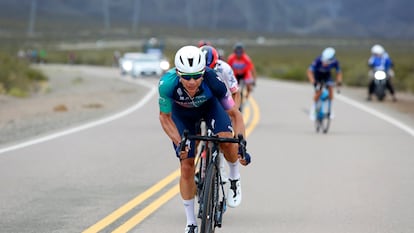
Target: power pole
106,18
32,18
189,17
135,17
214,13
246,11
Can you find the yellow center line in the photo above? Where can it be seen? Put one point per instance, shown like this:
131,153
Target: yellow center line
256,116
133,203
140,216
246,114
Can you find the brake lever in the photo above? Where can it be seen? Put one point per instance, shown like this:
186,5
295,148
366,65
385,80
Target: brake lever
183,140
242,144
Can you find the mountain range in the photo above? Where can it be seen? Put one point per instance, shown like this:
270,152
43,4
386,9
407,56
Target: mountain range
337,18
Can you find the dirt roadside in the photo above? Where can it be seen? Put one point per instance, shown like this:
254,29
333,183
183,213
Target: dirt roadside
73,95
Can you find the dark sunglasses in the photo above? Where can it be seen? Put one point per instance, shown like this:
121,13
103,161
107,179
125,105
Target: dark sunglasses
189,76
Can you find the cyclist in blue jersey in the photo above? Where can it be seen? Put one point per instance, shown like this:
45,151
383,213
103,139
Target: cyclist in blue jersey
319,72
188,93
380,60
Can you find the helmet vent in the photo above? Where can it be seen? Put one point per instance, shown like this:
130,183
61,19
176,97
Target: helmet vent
190,61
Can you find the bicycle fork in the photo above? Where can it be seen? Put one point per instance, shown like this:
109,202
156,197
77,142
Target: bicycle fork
323,108
222,202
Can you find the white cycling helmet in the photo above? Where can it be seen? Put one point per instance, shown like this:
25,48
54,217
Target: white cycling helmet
190,59
377,49
328,54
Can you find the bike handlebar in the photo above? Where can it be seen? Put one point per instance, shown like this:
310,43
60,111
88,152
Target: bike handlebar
239,140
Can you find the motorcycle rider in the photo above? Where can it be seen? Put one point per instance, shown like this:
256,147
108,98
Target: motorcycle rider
380,60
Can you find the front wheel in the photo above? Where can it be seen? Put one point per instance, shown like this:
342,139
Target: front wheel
208,203
325,124
323,120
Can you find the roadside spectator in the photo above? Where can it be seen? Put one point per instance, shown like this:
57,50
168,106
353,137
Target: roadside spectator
116,57
42,56
71,57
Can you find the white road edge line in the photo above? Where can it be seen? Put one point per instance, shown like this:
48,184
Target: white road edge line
376,113
364,108
116,116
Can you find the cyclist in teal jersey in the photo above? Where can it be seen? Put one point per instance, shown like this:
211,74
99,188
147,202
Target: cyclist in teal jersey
188,93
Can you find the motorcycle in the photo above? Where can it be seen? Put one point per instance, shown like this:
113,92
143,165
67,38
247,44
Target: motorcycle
380,81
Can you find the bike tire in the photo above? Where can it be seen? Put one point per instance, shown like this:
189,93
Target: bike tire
323,121
208,203
318,125
326,122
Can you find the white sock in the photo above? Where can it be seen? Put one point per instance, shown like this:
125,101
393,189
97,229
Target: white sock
234,173
189,211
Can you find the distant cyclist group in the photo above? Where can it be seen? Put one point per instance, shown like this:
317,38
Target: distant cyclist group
320,76
204,86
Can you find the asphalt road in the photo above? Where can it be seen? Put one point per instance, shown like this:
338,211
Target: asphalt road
357,178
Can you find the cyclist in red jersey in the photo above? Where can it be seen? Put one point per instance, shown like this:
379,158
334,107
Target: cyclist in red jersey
243,67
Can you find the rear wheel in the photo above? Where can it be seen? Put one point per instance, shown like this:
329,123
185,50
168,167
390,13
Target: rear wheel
317,125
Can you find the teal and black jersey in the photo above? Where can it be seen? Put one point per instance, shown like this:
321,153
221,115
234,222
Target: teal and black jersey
171,92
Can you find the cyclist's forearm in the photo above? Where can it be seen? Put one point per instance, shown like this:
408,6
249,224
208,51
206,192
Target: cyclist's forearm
237,98
310,76
254,73
237,121
339,77
170,128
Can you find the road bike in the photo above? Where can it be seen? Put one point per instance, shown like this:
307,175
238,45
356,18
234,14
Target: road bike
210,184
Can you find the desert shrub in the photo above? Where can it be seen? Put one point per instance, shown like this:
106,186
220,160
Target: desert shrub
16,76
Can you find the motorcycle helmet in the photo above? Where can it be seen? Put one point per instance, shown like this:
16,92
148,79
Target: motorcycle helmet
328,54
211,55
377,50
189,59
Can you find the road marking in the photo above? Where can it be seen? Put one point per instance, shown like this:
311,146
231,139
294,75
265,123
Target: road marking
133,203
246,114
116,116
357,105
256,117
376,113
152,207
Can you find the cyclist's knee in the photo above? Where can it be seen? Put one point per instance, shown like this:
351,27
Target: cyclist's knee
317,95
187,168
331,95
230,151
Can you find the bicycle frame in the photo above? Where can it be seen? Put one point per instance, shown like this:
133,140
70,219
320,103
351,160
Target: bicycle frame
210,191
323,110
